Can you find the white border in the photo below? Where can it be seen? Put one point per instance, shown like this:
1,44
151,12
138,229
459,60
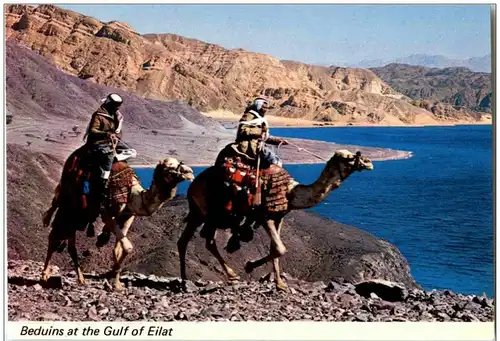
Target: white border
271,331
261,330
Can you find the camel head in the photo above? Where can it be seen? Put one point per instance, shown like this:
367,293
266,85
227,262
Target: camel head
352,162
172,171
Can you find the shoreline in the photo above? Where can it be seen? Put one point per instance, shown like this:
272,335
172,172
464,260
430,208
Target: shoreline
385,125
227,117
408,156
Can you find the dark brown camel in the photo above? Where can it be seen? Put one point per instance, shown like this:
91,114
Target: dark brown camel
72,215
205,208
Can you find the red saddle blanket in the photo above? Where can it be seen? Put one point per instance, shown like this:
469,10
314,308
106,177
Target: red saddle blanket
119,184
242,181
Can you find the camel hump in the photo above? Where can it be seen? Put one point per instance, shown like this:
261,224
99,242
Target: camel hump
121,182
275,169
118,167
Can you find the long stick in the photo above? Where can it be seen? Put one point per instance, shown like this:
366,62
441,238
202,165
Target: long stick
308,152
257,200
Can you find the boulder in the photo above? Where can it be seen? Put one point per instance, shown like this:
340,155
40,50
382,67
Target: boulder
386,290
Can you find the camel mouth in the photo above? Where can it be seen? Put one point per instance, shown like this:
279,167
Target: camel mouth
369,166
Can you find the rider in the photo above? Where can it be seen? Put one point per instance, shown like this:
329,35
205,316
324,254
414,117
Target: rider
104,131
252,135
251,139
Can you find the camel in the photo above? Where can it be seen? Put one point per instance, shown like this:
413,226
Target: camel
203,199
117,218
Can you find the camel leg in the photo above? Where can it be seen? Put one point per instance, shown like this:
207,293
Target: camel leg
192,224
50,212
280,285
119,253
112,225
277,247
211,245
74,257
50,251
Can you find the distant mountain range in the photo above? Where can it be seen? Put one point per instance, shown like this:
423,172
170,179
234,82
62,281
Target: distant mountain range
457,86
478,64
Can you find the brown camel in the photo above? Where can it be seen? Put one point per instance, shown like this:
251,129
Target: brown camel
118,218
205,208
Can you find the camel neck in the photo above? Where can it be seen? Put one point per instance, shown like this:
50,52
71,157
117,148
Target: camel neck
158,193
306,196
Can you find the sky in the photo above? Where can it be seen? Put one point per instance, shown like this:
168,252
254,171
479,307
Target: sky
325,33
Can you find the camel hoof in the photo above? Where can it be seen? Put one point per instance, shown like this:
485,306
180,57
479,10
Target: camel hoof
234,278
45,277
119,287
281,286
249,267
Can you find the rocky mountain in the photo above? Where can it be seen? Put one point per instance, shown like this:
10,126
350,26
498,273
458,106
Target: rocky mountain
167,66
457,86
477,64
48,111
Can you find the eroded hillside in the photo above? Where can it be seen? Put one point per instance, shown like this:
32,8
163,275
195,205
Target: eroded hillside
167,66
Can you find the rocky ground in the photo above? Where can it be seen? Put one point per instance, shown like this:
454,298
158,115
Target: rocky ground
154,298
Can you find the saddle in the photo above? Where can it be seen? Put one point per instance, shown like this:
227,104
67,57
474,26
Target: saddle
82,177
240,181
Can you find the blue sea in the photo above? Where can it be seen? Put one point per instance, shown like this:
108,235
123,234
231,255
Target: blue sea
436,207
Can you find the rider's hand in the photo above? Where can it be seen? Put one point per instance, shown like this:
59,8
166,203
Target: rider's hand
111,135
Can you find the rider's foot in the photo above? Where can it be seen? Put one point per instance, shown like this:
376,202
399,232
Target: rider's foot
90,230
246,233
103,239
233,244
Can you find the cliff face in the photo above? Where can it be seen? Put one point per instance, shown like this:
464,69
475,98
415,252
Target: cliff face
48,111
167,66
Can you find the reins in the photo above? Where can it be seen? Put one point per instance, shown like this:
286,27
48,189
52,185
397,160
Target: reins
300,149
